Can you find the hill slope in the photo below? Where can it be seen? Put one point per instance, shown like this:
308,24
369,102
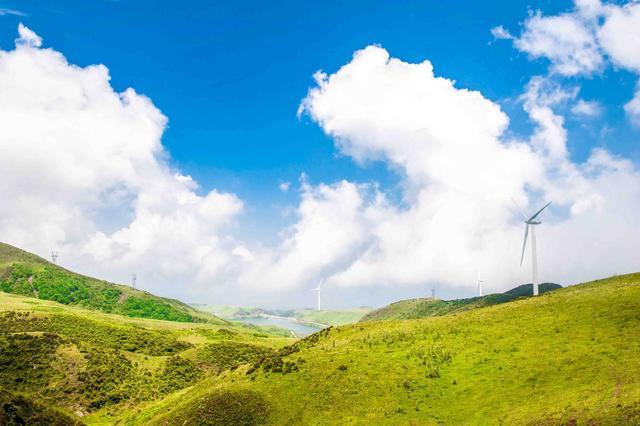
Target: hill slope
51,282
571,355
60,364
428,307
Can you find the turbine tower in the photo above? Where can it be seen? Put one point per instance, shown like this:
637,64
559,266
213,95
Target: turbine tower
479,286
531,223
317,289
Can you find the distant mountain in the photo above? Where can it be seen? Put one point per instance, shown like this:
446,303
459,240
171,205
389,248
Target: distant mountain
324,316
26,274
429,307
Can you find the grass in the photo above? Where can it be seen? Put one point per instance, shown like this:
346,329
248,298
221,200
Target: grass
429,307
29,275
93,365
571,355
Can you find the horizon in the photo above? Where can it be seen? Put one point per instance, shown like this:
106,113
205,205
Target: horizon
223,161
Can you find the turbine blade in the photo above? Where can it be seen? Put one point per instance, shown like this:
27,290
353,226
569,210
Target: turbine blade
539,211
524,244
519,209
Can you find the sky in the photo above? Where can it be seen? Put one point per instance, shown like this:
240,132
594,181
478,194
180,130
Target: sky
240,152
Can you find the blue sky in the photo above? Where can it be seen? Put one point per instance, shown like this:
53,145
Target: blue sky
230,77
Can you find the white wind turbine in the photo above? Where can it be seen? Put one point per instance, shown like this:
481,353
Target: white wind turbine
479,286
317,289
531,223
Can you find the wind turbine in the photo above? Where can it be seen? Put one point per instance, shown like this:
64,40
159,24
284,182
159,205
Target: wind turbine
479,286
531,223
317,289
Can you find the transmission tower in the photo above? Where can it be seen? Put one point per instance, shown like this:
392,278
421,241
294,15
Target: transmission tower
433,292
134,277
54,257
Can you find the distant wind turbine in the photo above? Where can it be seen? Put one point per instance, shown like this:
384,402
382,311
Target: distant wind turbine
317,289
479,286
531,223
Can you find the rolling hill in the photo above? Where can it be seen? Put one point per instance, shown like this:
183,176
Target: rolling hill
51,282
428,307
571,356
63,364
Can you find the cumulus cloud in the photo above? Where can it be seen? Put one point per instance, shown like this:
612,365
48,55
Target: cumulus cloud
632,108
566,40
27,37
83,170
586,108
577,42
501,33
620,35
459,175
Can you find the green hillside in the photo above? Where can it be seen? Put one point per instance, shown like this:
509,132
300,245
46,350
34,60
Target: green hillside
428,307
570,356
51,282
60,364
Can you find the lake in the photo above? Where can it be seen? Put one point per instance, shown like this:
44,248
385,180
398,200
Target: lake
300,329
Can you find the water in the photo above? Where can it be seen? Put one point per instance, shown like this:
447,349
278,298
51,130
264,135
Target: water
298,328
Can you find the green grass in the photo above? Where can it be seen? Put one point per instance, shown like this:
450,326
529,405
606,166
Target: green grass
428,307
94,365
571,355
51,282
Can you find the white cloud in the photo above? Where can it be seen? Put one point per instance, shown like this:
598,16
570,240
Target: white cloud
620,35
83,170
500,33
27,37
576,42
566,40
14,12
632,108
284,186
460,173
586,108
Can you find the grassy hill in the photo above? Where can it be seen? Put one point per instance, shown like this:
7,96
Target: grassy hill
570,356
51,282
64,364
428,307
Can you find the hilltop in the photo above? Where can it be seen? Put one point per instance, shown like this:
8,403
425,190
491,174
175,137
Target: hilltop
567,356
51,282
429,307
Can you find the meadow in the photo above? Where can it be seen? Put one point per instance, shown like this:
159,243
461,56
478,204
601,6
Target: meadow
571,355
